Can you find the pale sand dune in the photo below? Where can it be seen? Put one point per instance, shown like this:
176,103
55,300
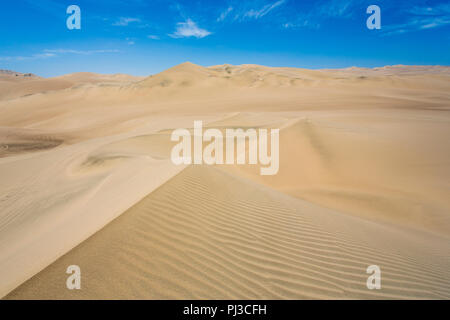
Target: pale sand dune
364,171
209,234
15,85
383,166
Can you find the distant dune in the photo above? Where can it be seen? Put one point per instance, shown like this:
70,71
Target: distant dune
364,168
15,85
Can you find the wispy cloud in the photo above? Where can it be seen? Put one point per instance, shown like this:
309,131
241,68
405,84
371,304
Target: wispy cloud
131,41
153,37
52,53
440,9
421,18
336,9
32,57
301,24
256,14
322,11
125,21
224,14
415,25
189,29
82,52
411,17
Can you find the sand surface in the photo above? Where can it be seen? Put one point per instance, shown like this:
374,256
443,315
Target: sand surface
364,179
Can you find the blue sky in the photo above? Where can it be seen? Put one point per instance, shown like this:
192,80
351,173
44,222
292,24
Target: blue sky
142,37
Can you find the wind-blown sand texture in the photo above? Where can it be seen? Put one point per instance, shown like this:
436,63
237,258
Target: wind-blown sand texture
364,179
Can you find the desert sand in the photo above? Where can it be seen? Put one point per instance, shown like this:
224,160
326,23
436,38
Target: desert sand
364,179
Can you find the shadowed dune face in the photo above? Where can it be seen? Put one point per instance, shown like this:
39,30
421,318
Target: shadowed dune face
377,166
87,179
19,141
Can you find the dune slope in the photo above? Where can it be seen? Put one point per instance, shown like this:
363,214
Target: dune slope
207,234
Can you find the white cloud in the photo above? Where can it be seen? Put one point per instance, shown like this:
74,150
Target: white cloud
422,18
324,10
51,53
130,41
32,57
189,29
337,9
441,9
82,52
256,14
301,24
153,37
224,14
125,21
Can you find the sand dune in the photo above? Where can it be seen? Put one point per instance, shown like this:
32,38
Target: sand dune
368,164
15,85
364,170
209,234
